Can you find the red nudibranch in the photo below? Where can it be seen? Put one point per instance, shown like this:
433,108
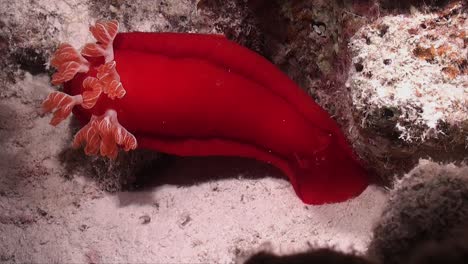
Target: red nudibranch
200,95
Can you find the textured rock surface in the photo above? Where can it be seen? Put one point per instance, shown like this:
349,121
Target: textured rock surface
409,86
429,204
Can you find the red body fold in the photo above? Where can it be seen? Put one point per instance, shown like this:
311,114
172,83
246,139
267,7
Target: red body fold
202,95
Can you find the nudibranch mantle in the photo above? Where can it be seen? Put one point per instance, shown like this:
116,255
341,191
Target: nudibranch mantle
200,95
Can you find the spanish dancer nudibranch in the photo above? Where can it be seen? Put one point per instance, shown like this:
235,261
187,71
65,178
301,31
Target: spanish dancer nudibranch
200,95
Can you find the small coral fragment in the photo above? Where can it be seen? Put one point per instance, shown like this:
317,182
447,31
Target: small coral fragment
64,104
463,66
443,49
105,134
425,53
104,32
68,62
451,72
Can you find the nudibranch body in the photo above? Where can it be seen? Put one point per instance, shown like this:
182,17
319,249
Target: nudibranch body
201,95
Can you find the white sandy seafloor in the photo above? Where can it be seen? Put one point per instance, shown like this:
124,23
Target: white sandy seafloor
51,215
46,218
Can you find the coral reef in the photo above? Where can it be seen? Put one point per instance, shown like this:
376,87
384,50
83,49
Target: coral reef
428,204
409,89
